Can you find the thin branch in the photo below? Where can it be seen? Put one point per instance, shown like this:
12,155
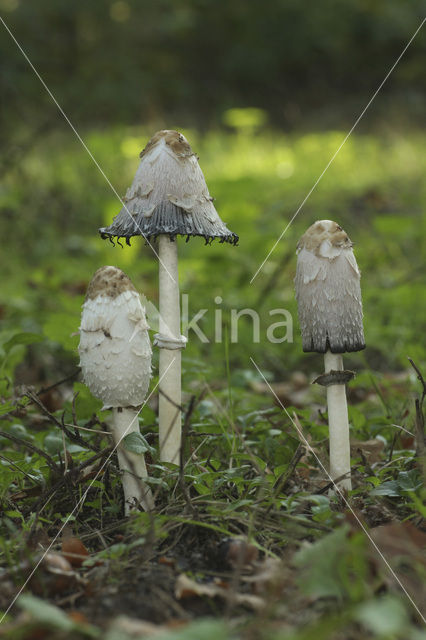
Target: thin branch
185,429
33,448
420,420
57,384
74,437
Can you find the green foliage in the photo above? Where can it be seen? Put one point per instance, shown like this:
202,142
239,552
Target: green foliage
136,443
386,617
238,477
333,566
407,481
53,617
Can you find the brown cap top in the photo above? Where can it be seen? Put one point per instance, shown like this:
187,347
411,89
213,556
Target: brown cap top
168,196
109,281
321,231
328,290
175,140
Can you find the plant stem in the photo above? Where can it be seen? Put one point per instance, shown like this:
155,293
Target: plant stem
170,420
340,457
132,465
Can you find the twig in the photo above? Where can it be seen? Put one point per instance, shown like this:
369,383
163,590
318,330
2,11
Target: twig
282,481
185,429
365,462
73,474
32,448
329,485
74,437
13,464
98,431
420,420
57,384
419,377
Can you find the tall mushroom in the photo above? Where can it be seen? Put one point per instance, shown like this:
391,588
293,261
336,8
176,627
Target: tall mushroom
115,359
328,294
169,197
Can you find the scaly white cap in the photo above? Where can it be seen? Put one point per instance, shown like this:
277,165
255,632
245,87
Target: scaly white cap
115,349
168,196
328,290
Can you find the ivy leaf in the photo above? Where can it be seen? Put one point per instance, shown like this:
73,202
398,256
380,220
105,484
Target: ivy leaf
409,480
390,489
136,443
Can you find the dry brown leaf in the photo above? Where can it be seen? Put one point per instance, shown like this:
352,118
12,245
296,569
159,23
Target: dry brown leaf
403,546
237,552
53,575
267,574
74,550
400,539
187,588
130,627
169,562
372,449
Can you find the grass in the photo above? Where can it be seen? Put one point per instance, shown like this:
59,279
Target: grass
247,474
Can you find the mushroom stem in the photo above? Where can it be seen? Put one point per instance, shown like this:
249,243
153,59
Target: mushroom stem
340,457
170,421
125,421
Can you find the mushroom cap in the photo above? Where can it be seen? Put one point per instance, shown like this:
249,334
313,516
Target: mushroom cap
168,196
328,290
115,349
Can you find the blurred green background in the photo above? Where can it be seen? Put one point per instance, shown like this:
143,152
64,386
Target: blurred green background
266,95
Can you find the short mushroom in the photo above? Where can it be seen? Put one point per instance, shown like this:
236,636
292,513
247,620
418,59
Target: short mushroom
329,301
169,197
115,359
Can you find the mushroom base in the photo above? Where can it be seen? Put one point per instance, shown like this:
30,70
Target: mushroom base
132,465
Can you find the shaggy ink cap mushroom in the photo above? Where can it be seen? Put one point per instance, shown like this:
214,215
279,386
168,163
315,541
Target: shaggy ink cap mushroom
328,294
328,290
115,349
168,196
115,359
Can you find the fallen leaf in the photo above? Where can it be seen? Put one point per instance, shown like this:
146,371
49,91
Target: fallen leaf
400,539
78,617
372,449
403,545
53,575
74,551
237,552
187,588
133,628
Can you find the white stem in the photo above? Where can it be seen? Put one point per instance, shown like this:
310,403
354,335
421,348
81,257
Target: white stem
340,456
132,465
170,421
